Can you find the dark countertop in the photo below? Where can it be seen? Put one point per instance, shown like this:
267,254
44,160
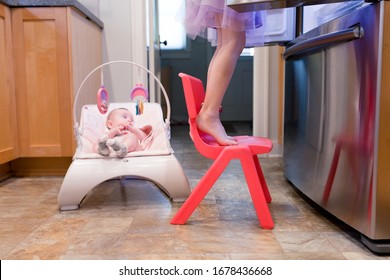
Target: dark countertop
54,3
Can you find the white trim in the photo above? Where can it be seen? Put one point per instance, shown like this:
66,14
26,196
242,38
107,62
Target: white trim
261,90
266,97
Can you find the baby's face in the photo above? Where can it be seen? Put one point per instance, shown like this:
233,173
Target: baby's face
120,117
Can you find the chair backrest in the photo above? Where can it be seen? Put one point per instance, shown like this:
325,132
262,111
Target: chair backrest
193,93
194,96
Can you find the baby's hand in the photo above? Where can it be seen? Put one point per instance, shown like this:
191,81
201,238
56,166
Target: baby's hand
132,128
128,127
122,129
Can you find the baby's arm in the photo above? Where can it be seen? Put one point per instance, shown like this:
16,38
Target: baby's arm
141,135
115,131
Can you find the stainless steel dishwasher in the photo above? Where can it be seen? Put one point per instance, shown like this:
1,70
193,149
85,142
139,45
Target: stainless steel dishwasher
336,144
337,112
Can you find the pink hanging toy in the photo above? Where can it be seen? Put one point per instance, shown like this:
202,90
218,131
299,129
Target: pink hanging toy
140,95
102,100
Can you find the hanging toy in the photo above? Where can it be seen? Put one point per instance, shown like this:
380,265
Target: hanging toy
139,94
102,100
139,107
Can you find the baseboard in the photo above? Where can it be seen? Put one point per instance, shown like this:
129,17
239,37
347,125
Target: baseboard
5,171
40,166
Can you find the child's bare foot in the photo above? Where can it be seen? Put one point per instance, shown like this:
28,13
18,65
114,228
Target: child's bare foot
214,127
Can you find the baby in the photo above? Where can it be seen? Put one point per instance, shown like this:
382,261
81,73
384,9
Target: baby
121,136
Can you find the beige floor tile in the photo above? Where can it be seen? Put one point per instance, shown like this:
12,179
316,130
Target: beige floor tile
130,219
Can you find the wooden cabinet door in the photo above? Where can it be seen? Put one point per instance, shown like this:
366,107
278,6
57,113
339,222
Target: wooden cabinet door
8,123
42,76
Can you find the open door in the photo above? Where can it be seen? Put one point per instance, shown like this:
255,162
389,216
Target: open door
154,50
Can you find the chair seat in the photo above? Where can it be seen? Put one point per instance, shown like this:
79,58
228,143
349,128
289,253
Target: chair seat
257,145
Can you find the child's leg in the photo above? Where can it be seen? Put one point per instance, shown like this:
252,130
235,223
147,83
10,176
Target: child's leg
119,148
128,143
102,146
131,142
221,68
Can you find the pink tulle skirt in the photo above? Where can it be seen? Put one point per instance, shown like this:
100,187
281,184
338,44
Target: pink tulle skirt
198,16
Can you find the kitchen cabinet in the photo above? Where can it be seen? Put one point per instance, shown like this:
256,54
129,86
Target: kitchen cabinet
45,53
54,49
8,123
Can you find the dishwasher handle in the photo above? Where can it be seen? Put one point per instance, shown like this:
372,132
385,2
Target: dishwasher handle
322,41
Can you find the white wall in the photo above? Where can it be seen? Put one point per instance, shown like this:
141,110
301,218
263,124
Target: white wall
124,38
91,5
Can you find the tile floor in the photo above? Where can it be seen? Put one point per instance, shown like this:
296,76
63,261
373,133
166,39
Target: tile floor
129,219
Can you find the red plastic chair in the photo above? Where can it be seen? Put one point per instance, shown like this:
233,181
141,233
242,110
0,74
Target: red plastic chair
246,151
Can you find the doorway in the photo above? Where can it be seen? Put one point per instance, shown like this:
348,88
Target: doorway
193,58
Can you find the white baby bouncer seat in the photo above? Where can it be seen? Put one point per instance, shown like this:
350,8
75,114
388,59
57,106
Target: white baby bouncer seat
156,162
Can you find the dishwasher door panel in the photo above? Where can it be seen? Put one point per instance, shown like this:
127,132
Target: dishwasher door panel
331,108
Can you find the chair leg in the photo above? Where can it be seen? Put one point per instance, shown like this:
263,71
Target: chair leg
201,189
252,176
257,191
263,183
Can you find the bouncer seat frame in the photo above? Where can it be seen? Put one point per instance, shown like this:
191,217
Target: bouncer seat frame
161,167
